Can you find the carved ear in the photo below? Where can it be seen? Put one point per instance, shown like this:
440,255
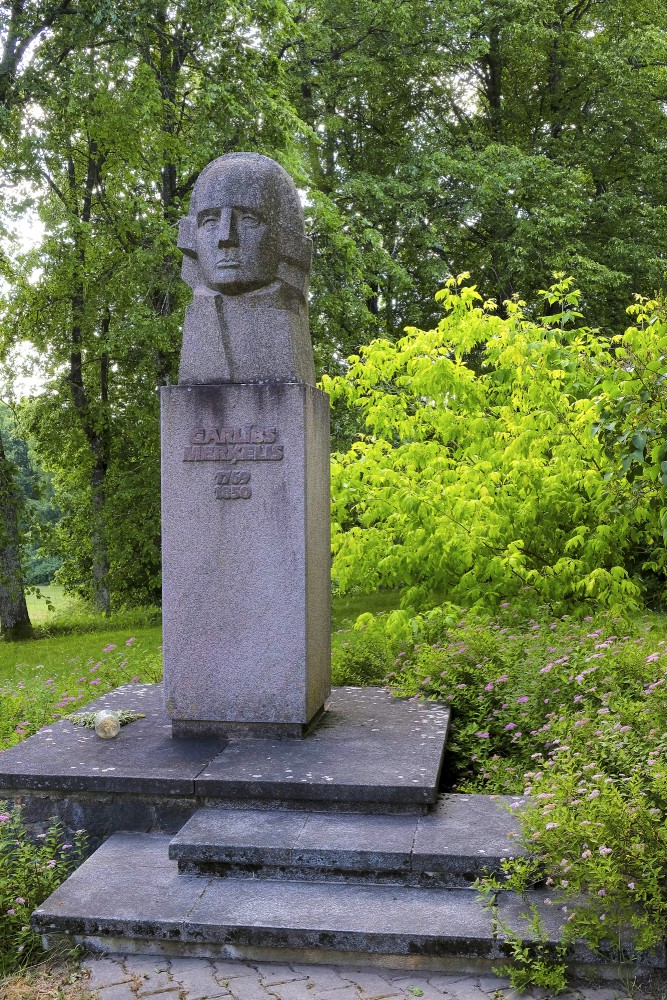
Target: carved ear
295,248
186,236
190,270
295,278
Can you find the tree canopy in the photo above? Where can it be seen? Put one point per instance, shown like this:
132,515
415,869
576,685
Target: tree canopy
510,138
541,478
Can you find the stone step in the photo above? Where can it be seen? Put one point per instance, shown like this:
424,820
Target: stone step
451,846
130,898
371,753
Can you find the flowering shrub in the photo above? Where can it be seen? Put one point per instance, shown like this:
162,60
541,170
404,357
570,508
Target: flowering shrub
536,475
571,714
29,872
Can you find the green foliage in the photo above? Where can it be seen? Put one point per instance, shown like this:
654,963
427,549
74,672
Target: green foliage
42,601
632,426
365,652
29,872
346,608
87,719
361,655
501,459
534,961
76,617
570,714
35,695
512,139
38,513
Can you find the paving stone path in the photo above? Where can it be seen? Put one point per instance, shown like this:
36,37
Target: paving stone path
139,977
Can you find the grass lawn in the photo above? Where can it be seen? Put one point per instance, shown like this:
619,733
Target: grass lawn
57,656
75,656
345,610
69,660
46,601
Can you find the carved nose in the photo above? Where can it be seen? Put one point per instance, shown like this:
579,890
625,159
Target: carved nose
227,236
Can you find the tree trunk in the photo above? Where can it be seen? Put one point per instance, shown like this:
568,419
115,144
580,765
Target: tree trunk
96,426
493,81
14,618
101,591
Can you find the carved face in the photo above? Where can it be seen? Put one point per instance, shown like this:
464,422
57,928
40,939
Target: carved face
235,241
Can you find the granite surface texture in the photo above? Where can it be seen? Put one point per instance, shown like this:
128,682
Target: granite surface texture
143,758
464,831
154,909
360,847
153,900
145,779
247,259
369,747
246,595
100,813
353,770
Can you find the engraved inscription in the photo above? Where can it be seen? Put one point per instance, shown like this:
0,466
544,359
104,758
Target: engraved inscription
232,485
248,443
248,434
233,492
235,478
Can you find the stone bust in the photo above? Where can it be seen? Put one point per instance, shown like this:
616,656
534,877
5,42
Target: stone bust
247,259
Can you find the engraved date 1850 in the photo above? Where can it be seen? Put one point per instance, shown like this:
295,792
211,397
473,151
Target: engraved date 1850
232,485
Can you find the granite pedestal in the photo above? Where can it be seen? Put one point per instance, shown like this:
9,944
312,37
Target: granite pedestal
245,541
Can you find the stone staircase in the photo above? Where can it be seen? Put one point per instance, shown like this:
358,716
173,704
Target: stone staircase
334,849
296,885
445,849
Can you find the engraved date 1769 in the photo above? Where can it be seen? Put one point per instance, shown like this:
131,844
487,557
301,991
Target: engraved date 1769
232,485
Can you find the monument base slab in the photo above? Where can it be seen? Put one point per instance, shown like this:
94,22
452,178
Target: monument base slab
371,753
197,729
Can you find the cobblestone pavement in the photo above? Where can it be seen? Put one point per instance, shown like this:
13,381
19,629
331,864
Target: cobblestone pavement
141,977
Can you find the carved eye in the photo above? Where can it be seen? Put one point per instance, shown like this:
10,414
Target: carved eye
251,221
209,220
